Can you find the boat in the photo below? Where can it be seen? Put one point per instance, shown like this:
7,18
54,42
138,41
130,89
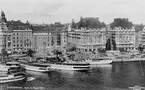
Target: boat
5,67
12,77
99,60
70,65
11,71
30,78
35,66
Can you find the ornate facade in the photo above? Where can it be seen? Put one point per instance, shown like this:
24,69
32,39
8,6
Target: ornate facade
45,40
16,37
3,31
88,40
124,38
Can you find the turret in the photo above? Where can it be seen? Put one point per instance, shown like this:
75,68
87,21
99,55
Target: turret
3,18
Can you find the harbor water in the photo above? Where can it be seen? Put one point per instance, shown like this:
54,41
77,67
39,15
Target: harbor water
116,76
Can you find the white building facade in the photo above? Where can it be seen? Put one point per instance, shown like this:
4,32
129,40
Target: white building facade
124,38
88,40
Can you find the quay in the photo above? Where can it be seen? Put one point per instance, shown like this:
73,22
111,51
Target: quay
117,56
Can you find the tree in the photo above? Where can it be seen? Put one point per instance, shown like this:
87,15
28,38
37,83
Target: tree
57,52
111,43
114,44
14,52
140,48
73,48
30,52
71,56
108,45
122,50
101,50
4,53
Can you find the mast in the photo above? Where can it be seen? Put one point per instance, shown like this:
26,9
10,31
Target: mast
111,43
44,44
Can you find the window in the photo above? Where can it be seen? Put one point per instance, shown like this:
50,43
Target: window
58,39
20,28
9,44
20,41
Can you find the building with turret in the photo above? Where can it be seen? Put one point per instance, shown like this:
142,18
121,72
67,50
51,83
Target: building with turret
3,31
21,36
16,36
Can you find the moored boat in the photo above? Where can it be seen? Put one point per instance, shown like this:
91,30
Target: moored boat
11,71
70,65
37,67
100,60
5,67
12,77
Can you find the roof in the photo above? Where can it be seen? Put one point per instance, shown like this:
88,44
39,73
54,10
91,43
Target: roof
41,29
139,27
18,25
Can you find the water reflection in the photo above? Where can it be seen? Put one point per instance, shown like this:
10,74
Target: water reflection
127,74
55,79
117,76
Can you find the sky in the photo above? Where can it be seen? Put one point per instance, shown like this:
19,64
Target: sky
50,11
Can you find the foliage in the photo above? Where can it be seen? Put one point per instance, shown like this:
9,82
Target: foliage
57,52
4,53
121,22
140,48
108,45
122,50
73,48
114,44
71,56
101,50
30,52
14,52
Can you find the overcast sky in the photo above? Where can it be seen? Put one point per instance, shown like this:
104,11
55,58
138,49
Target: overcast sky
49,11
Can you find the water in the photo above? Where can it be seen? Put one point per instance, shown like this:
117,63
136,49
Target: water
118,76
